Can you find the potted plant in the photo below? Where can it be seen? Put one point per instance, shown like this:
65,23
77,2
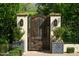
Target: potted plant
57,45
58,33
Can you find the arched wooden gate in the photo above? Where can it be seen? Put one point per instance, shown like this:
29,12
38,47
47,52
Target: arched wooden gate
39,33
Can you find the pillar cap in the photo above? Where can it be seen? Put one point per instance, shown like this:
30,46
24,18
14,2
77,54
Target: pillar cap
21,14
55,14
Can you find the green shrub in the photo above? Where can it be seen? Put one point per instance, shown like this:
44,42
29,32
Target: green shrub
58,32
3,48
70,50
3,44
15,52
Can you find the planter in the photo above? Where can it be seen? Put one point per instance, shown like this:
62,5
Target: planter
57,47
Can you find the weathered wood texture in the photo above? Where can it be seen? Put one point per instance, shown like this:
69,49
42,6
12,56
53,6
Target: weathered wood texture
39,33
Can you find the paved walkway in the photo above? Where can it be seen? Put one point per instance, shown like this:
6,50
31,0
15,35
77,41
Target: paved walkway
38,53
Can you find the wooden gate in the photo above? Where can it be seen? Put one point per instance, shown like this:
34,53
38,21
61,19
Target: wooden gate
39,33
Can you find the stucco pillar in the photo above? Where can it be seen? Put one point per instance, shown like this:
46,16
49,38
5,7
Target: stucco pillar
22,22
55,22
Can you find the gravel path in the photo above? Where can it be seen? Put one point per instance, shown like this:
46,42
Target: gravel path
38,53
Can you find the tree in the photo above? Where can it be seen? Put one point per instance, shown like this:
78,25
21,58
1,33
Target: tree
8,25
29,8
69,14
46,9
